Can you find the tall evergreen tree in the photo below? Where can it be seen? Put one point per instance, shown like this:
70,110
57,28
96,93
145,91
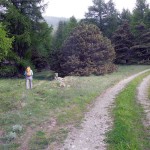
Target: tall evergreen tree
104,15
41,46
97,13
123,40
59,34
125,16
147,18
71,24
141,48
87,52
111,20
63,31
140,13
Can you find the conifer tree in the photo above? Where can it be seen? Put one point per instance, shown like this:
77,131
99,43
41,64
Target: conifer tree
123,41
125,16
87,52
104,15
111,20
63,31
141,48
140,13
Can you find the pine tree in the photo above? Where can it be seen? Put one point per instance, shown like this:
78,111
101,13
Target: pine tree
41,46
125,16
63,31
123,41
87,52
111,20
141,48
97,13
140,13
104,15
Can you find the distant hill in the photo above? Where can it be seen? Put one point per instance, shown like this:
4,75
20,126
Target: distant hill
54,20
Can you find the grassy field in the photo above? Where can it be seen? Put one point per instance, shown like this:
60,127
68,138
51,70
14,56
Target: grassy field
45,114
128,132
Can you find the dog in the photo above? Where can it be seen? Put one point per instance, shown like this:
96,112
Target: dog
60,80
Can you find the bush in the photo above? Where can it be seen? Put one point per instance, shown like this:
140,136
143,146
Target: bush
8,71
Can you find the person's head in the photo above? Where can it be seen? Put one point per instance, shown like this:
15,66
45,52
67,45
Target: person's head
28,68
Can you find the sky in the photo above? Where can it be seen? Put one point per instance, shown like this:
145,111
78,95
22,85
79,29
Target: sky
77,8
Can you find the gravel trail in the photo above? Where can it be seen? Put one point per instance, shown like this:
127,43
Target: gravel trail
143,99
97,121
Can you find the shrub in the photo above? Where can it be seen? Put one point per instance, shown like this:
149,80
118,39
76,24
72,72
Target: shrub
8,71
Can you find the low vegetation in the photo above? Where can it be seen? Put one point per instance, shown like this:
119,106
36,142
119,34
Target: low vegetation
128,131
48,111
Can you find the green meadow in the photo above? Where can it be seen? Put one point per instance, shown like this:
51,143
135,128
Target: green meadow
49,105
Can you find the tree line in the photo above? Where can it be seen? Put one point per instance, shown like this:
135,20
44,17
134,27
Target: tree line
93,45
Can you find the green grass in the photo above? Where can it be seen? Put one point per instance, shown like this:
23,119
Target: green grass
38,141
128,132
47,100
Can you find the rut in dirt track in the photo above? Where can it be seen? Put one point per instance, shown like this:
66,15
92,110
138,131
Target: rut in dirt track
143,99
97,121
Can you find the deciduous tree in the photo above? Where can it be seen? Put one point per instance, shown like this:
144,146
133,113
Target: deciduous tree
5,43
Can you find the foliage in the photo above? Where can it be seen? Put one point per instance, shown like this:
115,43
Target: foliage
22,64
17,128
104,15
141,48
96,13
5,43
123,41
8,71
41,46
111,20
87,52
24,21
140,13
18,26
125,16
11,136
62,33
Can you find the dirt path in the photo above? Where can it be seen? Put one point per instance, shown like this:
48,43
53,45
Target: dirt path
143,99
96,122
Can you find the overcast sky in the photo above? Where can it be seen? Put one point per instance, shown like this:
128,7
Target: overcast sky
77,8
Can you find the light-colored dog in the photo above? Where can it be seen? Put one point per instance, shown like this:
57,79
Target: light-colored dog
60,80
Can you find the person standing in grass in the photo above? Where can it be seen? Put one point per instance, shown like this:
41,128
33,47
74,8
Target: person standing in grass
29,77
